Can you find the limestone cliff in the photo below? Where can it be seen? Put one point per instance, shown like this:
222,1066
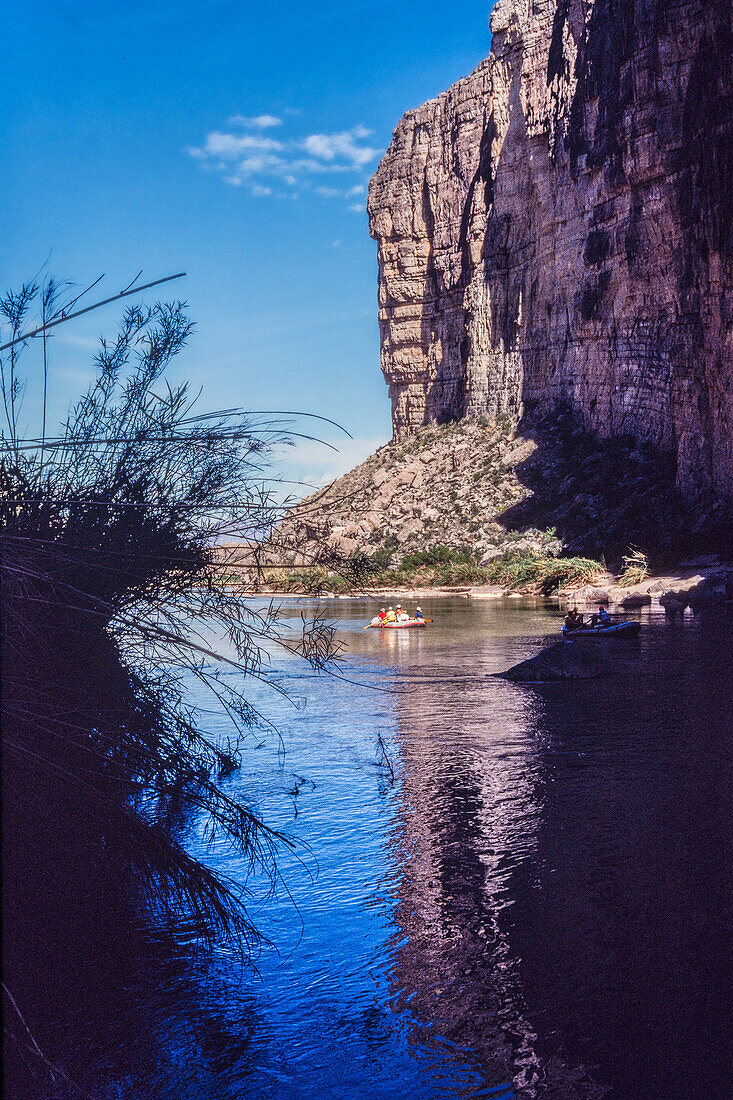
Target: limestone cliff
557,228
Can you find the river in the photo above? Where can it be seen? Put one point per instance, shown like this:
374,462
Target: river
519,892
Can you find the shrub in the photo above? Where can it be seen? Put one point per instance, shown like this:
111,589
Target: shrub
112,588
435,555
530,572
381,558
359,567
458,573
636,567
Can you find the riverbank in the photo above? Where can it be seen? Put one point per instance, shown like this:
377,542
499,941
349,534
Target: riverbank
690,583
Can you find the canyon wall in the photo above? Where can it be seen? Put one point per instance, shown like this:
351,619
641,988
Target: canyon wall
557,229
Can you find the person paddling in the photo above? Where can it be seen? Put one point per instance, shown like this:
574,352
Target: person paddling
382,615
573,620
390,617
418,613
600,617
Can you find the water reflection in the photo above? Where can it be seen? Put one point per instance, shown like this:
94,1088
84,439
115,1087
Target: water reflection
471,809
554,913
533,909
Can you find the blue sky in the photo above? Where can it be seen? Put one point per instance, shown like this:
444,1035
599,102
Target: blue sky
233,141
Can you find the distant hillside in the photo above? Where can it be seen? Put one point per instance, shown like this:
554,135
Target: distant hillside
491,488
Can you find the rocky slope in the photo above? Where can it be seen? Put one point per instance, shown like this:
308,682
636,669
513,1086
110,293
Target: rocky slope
443,486
558,227
494,486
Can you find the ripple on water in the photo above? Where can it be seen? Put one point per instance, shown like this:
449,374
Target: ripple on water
533,908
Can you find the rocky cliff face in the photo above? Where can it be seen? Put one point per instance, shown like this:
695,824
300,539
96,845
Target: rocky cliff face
557,229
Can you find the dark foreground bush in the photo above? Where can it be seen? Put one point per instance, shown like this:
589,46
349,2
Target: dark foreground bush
109,592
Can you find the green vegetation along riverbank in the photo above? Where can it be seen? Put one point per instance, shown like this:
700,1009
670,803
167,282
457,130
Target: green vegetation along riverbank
441,570
437,567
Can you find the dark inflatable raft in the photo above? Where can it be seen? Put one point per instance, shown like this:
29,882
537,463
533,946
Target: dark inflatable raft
616,630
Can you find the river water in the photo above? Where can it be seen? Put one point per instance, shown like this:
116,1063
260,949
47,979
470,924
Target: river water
520,891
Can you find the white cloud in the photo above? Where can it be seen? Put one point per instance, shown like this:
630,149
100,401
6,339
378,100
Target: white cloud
258,163
259,122
344,146
309,166
231,146
358,207
273,166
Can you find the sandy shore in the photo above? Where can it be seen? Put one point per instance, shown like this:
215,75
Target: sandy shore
373,594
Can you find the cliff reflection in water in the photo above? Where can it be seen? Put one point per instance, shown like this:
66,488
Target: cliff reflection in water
557,857
534,909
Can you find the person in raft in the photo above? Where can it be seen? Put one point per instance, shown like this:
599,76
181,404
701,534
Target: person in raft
402,616
390,617
601,617
418,613
573,620
382,615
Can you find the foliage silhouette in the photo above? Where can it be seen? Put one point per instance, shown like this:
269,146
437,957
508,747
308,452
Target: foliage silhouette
111,589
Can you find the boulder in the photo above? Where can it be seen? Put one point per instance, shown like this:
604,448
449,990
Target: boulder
409,530
405,476
494,531
527,544
519,452
636,599
589,594
565,660
674,603
701,594
342,544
